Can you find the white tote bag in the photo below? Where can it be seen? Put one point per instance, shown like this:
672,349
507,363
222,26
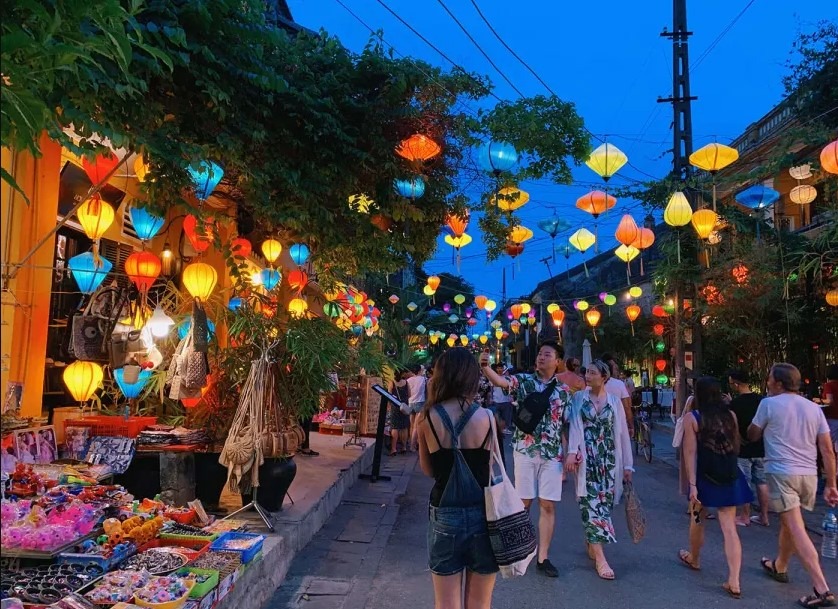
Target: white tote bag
511,531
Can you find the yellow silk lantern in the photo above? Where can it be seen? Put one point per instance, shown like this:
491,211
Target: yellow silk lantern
593,316
428,290
626,253
459,299
498,334
297,307
463,340
458,242
515,326
678,211
140,168
360,203
829,157
137,317
552,307
83,379
713,157
803,194
582,305
582,239
510,198
519,234
704,220
635,291
525,308
199,279
483,339
434,338
95,217
271,249
606,160
627,230
451,340
832,298
490,305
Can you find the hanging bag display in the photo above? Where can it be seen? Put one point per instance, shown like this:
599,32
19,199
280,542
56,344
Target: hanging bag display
87,337
511,531
123,345
530,412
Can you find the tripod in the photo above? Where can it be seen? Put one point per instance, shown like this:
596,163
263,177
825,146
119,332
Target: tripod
254,503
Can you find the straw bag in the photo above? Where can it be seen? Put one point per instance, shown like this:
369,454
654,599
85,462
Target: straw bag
511,531
635,516
87,336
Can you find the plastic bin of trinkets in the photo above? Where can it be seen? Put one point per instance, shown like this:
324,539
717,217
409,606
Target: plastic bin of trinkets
191,548
181,532
205,580
40,585
164,593
105,563
248,544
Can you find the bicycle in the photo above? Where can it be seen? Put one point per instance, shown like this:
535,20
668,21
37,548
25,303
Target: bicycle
643,431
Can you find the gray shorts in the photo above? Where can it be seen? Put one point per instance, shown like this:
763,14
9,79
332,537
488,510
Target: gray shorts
754,470
788,491
416,407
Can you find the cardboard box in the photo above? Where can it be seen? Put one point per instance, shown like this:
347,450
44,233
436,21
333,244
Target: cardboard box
205,602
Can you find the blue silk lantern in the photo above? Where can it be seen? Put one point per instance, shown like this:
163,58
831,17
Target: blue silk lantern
131,390
235,303
205,178
553,226
87,274
497,157
270,278
145,224
757,196
357,330
299,253
412,188
183,327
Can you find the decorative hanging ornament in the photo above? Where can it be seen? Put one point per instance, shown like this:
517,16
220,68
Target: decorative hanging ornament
633,312
801,172
360,203
829,157
411,188
141,168
433,282
205,176
241,247
299,253
704,221
490,306
88,271
418,148
271,250
627,253
100,167
606,160
645,239
678,213
757,196
553,226
199,279
270,278
832,296
457,223
95,217
393,299
803,194
412,306
627,230
83,379
497,157
712,158
146,224
595,203
458,243
480,301
510,198
297,307
200,241
593,316
143,268
583,239
131,390
298,280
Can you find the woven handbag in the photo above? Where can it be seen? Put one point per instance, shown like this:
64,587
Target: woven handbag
635,515
511,531
87,336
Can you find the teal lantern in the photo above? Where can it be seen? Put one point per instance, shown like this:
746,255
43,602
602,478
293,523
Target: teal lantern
235,303
661,379
497,157
146,224
357,330
131,390
87,273
205,177
660,347
299,253
412,188
270,278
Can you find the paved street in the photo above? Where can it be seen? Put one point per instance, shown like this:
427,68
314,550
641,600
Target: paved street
372,554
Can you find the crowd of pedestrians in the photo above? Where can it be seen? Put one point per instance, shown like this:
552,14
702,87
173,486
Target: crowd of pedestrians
737,448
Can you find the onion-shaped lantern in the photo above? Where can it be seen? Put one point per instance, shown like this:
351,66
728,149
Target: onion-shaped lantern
199,279
95,217
411,188
829,157
271,250
83,379
298,280
143,269
497,157
241,247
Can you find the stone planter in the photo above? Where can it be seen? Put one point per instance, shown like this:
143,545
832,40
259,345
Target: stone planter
275,478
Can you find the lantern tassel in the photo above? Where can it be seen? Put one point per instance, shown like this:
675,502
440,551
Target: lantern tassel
642,272
596,238
553,243
628,273
97,260
679,249
585,264
714,192
458,261
707,255
632,328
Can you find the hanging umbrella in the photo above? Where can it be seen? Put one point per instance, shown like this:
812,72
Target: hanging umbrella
757,197
553,226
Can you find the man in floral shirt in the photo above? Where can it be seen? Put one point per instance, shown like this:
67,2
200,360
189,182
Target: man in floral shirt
538,457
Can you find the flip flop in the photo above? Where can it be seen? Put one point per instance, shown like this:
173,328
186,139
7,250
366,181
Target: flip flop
685,557
758,520
772,572
737,594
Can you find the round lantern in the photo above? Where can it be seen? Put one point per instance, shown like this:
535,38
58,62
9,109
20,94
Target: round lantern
412,188
552,307
658,329
241,247
514,249
490,306
803,194
299,253
582,305
511,198
146,224
660,364
270,278
661,379
558,316
516,310
832,298
459,299
606,160
297,307
635,291
95,217
199,241
497,157
418,147
678,211
205,177
704,221
660,347
610,300
143,268
633,312
271,249
593,316
199,279
595,203
658,311
83,379
645,238
89,271
480,301
829,157
433,282
298,280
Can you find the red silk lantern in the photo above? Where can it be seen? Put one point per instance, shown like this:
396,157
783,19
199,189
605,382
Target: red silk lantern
514,249
100,167
660,364
658,311
471,321
199,243
298,280
143,268
241,247
658,329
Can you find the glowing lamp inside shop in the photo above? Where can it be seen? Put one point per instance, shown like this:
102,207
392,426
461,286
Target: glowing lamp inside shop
83,379
199,279
88,271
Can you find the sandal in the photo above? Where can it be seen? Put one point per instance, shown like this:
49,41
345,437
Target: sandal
604,570
770,568
758,520
686,558
737,594
308,452
827,599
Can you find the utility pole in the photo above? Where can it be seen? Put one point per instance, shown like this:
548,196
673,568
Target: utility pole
687,338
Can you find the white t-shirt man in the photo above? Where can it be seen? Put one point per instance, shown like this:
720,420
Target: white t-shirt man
790,425
617,387
417,383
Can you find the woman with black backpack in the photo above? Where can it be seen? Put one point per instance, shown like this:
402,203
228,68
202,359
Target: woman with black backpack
710,450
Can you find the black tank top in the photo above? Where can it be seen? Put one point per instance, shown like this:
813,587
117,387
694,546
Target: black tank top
442,461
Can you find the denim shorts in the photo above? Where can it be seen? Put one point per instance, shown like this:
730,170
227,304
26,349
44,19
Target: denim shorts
754,470
458,539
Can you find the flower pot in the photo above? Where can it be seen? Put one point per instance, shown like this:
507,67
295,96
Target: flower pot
275,478
210,477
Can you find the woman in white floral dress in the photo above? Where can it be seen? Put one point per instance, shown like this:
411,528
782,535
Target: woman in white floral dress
600,448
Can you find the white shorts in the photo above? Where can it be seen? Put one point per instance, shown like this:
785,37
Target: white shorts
536,477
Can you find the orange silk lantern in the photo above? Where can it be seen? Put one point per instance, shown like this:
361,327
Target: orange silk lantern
645,239
143,268
199,242
381,222
632,312
558,316
298,280
418,148
241,247
457,223
516,310
596,202
433,282
98,169
829,157
480,301
593,317
627,230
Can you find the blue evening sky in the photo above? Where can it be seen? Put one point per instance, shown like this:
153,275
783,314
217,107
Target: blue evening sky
608,58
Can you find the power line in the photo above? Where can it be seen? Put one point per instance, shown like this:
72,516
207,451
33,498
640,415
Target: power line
721,35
